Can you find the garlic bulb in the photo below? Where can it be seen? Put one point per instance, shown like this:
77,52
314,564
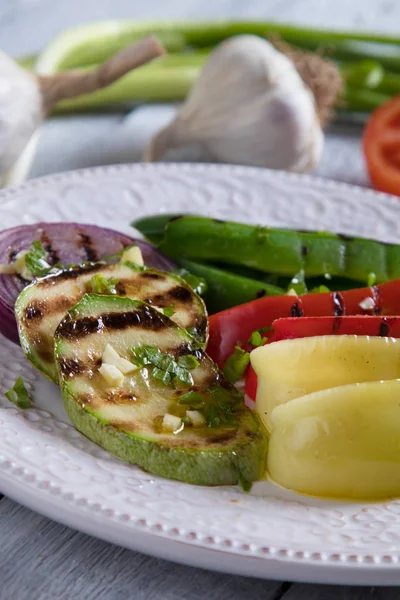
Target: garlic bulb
249,106
26,98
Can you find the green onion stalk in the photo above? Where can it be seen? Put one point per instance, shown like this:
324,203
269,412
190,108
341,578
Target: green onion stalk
369,63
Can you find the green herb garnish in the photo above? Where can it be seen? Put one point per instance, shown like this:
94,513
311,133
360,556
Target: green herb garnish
169,310
236,364
101,285
35,260
298,283
371,280
165,368
191,398
245,484
217,404
320,289
220,406
256,339
19,395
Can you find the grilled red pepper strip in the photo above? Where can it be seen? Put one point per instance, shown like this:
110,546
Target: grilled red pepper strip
234,325
293,328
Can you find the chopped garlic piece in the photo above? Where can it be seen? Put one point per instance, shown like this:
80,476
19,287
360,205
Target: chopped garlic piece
196,418
111,357
367,304
125,366
171,423
133,255
112,375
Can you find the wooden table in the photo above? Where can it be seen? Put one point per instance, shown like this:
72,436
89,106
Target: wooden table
40,559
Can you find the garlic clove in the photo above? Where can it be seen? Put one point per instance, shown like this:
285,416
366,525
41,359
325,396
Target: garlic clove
25,98
249,106
20,110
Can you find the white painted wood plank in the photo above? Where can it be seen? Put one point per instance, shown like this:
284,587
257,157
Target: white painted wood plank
40,559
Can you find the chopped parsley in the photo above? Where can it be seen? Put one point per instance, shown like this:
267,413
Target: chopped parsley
101,285
191,398
169,310
35,260
371,280
164,366
256,339
19,395
217,404
236,364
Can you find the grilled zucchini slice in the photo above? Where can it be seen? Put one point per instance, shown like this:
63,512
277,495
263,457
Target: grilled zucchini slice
227,446
41,305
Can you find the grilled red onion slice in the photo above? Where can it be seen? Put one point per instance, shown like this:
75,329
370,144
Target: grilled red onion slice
65,243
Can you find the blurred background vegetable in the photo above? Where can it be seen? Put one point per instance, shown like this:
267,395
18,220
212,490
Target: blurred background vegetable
360,57
26,98
250,106
369,64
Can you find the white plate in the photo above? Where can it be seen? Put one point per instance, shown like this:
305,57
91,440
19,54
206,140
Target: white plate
48,466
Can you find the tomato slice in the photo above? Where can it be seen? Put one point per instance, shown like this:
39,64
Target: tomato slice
381,145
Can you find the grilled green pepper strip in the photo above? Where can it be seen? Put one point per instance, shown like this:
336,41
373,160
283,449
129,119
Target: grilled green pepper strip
280,251
153,227
226,289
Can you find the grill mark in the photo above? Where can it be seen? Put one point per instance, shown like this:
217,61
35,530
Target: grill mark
222,438
120,288
261,293
337,322
377,299
72,273
304,250
201,326
72,366
142,317
34,311
39,309
86,243
296,310
150,275
53,256
121,397
345,238
75,329
180,293
338,304
384,328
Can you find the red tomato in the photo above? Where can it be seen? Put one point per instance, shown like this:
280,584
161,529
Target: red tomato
381,144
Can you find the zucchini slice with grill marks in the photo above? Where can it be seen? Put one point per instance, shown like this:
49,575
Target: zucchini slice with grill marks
41,305
174,381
